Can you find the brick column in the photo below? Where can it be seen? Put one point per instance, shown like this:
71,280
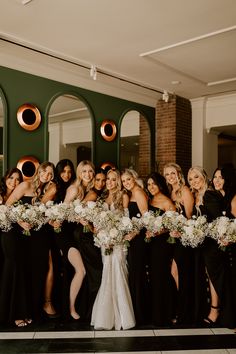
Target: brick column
174,133
144,147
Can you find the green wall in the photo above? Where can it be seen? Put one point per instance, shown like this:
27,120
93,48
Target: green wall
19,88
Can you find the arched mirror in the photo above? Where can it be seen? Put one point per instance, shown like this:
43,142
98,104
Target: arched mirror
135,151
70,130
1,133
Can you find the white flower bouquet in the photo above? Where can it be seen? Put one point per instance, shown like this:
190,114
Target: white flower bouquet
174,223
152,221
194,231
57,213
111,227
30,214
5,222
223,230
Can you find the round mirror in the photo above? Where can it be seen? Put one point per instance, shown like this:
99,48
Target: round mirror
70,130
28,117
135,150
107,165
1,134
108,130
28,166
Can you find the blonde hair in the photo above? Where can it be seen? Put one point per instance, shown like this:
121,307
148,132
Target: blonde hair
79,182
36,180
181,182
117,195
202,172
132,173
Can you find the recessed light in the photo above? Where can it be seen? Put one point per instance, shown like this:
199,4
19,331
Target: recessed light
175,82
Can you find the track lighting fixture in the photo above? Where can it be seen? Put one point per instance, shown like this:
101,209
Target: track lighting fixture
165,96
93,72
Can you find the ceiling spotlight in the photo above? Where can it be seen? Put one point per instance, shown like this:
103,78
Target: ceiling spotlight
93,72
24,2
165,96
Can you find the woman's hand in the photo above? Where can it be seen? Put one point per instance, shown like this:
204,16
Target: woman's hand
83,222
25,225
55,224
175,234
130,236
149,234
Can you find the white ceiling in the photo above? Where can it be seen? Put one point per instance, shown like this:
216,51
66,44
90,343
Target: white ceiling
187,47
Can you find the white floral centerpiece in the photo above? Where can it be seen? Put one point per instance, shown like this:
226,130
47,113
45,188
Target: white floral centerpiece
194,231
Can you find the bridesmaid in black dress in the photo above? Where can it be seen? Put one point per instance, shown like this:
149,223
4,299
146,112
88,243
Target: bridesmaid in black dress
182,267
209,202
160,256
35,248
72,264
224,181
82,190
10,261
91,255
137,252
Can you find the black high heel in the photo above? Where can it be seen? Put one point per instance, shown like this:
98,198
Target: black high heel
209,322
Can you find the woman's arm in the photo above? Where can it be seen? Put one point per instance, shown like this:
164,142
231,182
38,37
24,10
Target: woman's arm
50,193
91,196
142,200
22,189
233,206
188,202
71,194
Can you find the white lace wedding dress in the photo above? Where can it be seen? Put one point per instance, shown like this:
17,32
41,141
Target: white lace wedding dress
113,306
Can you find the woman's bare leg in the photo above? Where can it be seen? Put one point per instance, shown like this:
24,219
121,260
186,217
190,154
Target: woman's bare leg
48,306
75,259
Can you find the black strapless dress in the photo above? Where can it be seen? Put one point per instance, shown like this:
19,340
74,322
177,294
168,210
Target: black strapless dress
92,259
216,261
184,258
138,272
16,290
161,281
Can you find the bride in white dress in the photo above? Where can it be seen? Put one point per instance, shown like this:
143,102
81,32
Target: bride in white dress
113,306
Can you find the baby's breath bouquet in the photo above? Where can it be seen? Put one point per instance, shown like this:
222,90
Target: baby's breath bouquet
152,221
76,211
174,223
5,222
57,213
111,227
194,231
31,214
223,230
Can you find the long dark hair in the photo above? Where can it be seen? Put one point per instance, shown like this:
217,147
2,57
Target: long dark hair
229,175
8,174
61,185
160,181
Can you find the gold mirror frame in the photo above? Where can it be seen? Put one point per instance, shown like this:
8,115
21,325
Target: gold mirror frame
27,162
108,124
36,118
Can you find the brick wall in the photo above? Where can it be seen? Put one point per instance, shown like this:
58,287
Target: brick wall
144,148
174,133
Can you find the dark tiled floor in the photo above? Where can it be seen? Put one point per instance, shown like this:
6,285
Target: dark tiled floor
75,337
